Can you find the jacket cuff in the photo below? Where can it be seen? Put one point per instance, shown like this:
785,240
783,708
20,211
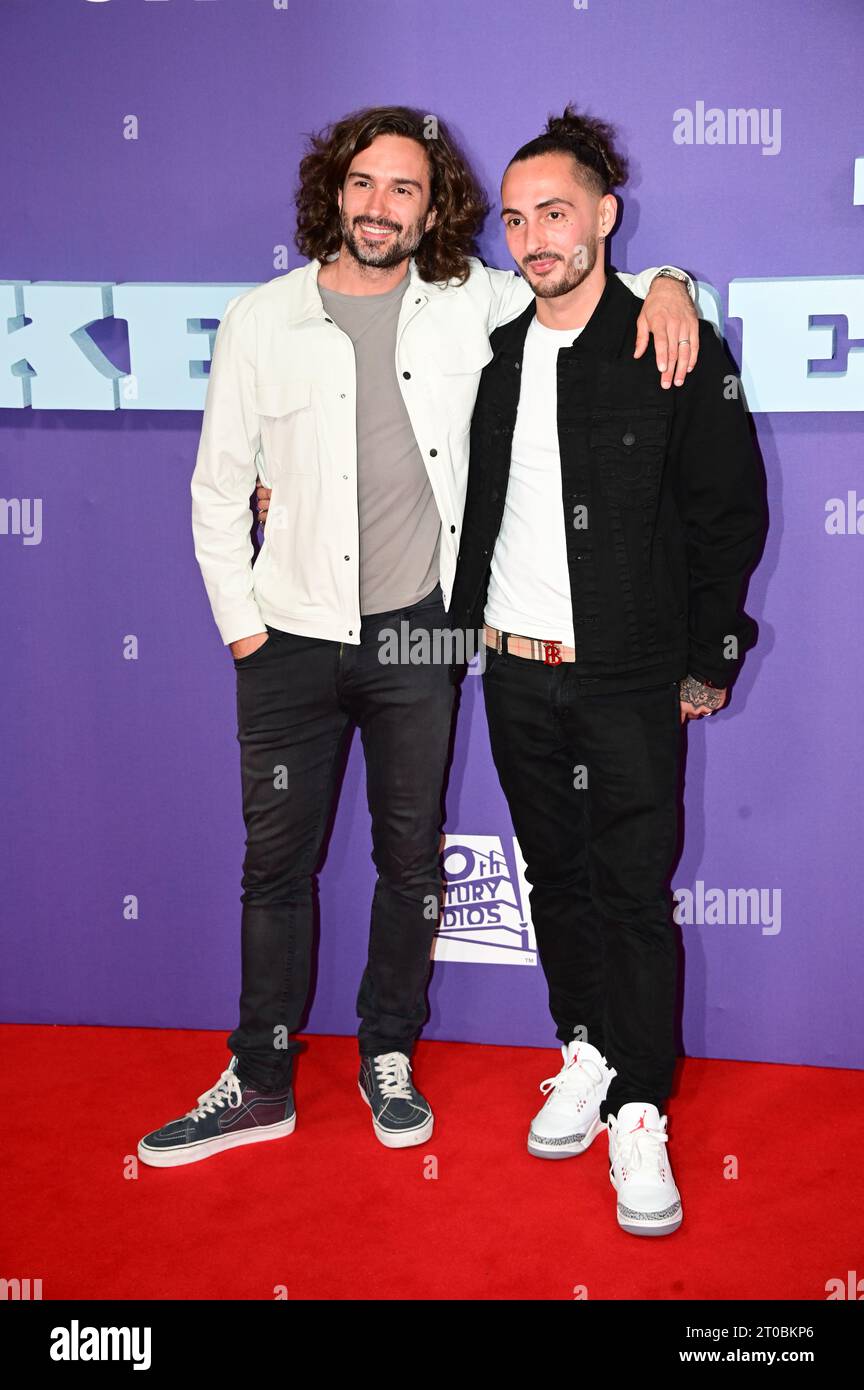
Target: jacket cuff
240,622
711,675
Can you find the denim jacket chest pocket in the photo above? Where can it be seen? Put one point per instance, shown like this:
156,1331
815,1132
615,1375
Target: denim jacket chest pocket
627,448
289,438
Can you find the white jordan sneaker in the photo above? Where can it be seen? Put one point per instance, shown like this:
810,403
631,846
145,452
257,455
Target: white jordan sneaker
649,1203
570,1121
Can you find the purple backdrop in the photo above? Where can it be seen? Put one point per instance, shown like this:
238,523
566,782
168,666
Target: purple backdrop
122,777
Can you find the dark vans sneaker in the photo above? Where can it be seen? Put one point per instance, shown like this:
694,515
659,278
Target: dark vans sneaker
229,1114
400,1114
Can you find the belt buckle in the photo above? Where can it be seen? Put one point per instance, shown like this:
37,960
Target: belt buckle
552,653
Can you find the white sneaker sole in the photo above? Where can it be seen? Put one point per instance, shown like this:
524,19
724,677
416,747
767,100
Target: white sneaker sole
405,1138
550,1149
193,1153
660,1224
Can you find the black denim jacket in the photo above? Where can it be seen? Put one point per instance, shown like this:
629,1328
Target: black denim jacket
663,494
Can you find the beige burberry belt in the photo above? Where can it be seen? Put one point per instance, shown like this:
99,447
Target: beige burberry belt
535,648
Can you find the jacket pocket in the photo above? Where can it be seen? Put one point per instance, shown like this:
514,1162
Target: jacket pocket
289,437
629,447
454,374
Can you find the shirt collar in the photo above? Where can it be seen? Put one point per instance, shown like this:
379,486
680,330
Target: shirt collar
603,333
310,305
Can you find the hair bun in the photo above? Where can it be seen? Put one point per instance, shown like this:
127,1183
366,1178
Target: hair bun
589,140
569,124
592,141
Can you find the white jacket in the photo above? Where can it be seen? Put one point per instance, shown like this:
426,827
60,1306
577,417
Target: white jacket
281,404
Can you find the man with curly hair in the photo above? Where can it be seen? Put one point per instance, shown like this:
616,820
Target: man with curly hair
351,382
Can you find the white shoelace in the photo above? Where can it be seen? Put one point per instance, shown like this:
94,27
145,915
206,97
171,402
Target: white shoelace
641,1148
574,1076
226,1088
393,1069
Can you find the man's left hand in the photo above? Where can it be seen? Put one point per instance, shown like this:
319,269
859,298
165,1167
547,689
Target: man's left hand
669,315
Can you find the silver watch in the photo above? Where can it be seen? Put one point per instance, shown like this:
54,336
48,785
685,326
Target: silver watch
673,274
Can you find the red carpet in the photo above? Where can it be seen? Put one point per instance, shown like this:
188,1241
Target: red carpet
331,1214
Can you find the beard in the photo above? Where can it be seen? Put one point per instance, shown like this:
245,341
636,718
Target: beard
404,243
569,277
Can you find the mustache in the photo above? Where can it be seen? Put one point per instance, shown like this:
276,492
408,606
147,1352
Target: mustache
375,222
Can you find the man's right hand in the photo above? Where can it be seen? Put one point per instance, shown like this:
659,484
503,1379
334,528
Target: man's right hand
263,495
245,646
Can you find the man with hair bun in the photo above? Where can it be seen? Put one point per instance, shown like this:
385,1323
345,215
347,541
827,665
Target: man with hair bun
608,531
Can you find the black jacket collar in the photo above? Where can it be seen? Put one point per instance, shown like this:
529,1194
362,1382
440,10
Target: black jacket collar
604,334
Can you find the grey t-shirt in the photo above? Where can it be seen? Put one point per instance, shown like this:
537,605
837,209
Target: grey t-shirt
400,528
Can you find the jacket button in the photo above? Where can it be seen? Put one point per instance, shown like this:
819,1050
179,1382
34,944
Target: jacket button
517,365
350,632
347,557
326,320
407,376
452,530
629,438
433,453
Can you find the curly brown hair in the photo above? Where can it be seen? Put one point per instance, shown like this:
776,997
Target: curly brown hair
591,143
455,190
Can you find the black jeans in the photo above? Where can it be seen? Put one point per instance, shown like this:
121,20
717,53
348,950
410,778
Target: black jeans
297,698
592,786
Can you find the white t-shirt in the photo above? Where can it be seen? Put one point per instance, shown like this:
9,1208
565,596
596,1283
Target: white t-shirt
529,583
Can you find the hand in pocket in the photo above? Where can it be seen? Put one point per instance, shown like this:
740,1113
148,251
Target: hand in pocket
245,646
